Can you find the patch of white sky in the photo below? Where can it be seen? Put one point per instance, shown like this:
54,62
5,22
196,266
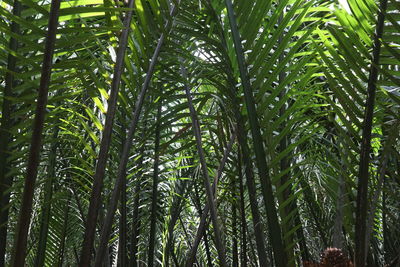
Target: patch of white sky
203,54
345,5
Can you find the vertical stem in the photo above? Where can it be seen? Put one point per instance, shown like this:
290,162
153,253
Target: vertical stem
337,229
175,211
380,180
251,188
201,231
153,214
122,255
203,221
207,247
362,187
5,135
210,196
135,215
48,194
385,226
274,230
95,197
235,254
313,207
243,245
305,254
61,250
21,234
242,141
287,224
106,229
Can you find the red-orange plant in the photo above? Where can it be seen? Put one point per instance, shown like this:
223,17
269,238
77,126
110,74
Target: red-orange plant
331,257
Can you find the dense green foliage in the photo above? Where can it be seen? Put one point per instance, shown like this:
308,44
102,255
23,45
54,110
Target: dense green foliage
205,132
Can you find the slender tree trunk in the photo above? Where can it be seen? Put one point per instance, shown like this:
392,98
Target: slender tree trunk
5,135
251,188
380,181
122,254
338,226
106,229
385,225
305,254
203,221
313,207
362,187
154,199
175,211
95,197
278,247
253,252
209,193
48,194
235,254
242,140
61,250
187,237
287,224
200,233
21,234
207,247
243,244
135,216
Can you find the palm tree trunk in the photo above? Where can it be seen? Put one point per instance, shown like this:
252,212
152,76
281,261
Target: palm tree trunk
380,180
305,254
48,194
176,208
106,229
209,193
207,247
362,186
122,255
21,234
242,141
337,241
386,256
287,223
187,237
153,214
61,250
5,136
253,253
95,197
313,207
278,247
204,231
235,254
243,223
252,192
201,230
135,215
